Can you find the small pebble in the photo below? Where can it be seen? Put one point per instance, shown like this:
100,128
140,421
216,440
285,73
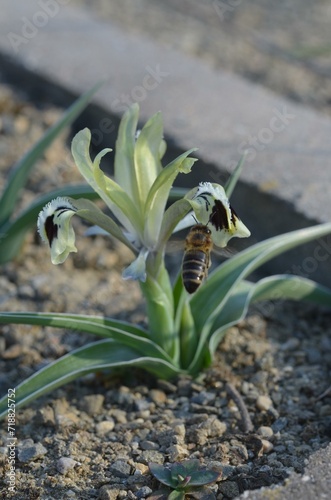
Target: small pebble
267,447
279,424
119,416
120,468
70,494
104,427
66,419
280,448
158,396
108,492
177,453
168,387
325,411
314,356
92,404
141,404
13,352
265,468
31,452
149,445
142,468
203,398
65,464
143,492
26,292
22,123
263,403
229,489
179,430
45,416
215,427
265,431
151,456
290,345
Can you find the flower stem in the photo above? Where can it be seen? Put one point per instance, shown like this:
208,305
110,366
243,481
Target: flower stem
188,337
160,308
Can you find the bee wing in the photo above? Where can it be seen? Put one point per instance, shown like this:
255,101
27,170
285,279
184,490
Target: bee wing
226,252
174,246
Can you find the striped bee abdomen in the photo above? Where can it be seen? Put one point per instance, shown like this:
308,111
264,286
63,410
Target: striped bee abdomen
194,269
196,259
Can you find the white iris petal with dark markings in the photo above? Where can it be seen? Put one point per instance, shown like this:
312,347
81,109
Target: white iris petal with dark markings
54,226
212,207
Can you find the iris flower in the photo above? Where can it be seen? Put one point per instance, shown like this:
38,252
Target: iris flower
137,197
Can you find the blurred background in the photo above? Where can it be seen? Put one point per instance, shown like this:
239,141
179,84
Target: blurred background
283,45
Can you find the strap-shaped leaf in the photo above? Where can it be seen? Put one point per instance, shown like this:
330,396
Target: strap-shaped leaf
234,310
159,193
129,335
210,299
124,168
277,287
90,212
232,181
207,302
102,355
172,216
147,156
20,172
115,197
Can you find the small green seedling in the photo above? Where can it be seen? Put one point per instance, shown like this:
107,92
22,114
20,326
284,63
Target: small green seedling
185,478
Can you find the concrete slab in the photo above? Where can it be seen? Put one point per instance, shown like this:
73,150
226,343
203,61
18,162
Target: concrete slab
285,184
314,484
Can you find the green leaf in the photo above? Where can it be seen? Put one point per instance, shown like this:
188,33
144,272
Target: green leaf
124,168
90,212
123,332
277,287
219,284
177,193
172,216
234,310
210,299
184,324
178,293
102,355
20,172
287,286
147,156
187,333
184,475
160,313
232,182
159,193
118,200
177,495
13,232
199,475
162,474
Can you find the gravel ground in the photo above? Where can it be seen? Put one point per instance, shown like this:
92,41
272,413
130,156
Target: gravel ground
95,437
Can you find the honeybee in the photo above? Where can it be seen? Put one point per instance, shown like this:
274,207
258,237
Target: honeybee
196,260
216,211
